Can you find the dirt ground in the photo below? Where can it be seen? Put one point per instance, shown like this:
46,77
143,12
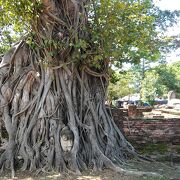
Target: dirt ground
166,172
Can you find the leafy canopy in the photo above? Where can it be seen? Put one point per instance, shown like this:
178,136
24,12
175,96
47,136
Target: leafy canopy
121,31
157,82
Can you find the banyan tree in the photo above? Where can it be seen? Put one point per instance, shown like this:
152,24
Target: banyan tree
53,86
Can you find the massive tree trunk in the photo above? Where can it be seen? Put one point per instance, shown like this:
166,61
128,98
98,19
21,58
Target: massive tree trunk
52,107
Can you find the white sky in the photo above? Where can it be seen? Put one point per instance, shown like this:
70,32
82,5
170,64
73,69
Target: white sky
171,5
168,4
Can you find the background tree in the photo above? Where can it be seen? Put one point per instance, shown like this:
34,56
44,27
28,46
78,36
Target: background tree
55,78
152,88
157,82
122,85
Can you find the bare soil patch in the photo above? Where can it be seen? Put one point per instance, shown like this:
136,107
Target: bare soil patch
166,172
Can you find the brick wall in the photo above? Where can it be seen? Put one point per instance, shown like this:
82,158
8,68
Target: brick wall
134,111
148,130
145,131
119,116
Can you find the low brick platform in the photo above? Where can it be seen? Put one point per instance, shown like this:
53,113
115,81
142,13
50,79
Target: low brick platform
150,130
142,130
134,111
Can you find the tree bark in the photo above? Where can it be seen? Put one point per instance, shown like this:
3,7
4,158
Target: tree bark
41,93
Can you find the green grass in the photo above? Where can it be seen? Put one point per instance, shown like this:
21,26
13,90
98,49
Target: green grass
151,148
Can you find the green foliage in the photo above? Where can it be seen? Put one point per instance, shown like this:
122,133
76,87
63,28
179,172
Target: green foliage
151,87
169,76
159,81
119,31
114,76
16,18
127,31
121,85
6,41
18,13
154,148
156,83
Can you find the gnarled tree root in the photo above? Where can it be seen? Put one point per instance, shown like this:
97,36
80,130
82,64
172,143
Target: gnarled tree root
37,102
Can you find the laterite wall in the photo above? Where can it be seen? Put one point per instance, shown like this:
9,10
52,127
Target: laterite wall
148,130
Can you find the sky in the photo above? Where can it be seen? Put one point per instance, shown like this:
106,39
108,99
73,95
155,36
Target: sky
168,4
171,5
